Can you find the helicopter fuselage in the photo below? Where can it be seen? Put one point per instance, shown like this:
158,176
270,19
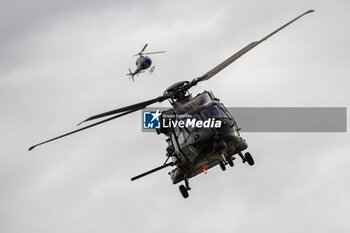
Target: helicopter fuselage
142,63
196,149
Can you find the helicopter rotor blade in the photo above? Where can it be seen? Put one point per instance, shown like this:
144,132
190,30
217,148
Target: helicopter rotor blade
86,127
154,52
243,51
143,49
122,112
127,108
141,52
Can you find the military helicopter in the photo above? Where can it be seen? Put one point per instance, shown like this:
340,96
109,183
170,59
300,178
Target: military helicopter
143,63
191,148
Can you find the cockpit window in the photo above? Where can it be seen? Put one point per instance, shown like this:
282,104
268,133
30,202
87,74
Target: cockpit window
222,107
213,112
194,117
185,134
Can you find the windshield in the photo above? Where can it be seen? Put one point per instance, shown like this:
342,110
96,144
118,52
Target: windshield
223,108
213,112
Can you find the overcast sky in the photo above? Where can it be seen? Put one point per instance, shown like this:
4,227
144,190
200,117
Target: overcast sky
62,61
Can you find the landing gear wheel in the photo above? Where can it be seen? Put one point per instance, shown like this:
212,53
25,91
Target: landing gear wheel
223,166
230,161
249,158
242,157
183,191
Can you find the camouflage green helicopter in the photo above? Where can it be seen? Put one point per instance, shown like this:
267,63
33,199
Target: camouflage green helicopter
192,148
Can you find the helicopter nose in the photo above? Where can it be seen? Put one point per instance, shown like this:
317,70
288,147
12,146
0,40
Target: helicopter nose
241,145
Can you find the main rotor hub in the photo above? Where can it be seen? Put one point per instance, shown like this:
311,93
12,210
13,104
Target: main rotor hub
178,91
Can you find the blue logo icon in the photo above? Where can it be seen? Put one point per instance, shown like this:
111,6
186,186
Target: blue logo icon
151,120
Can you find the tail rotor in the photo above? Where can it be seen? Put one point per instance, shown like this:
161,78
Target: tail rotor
131,75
